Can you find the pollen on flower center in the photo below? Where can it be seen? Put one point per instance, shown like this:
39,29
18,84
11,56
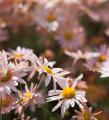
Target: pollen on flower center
27,97
86,115
48,70
7,77
68,92
18,55
102,58
4,102
28,94
51,18
68,36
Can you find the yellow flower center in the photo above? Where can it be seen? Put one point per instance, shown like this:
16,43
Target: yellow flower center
68,36
51,18
4,102
102,58
0,71
7,77
68,93
18,55
27,96
48,70
86,115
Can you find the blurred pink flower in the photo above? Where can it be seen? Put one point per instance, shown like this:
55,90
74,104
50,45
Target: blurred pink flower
86,114
7,103
71,36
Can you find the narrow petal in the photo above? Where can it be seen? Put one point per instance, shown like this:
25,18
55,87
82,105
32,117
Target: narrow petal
57,106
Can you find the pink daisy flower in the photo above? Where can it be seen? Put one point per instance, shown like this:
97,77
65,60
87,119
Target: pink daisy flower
7,103
11,74
70,36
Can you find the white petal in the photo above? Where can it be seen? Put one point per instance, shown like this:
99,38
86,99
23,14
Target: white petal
53,98
47,80
64,108
7,89
56,70
57,106
72,103
79,104
76,80
54,92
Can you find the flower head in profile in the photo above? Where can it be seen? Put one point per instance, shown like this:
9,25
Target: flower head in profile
7,103
46,67
21,53
80,55
11,74
86,113
67,97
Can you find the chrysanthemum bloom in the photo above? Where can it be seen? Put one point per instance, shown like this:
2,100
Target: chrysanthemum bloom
80,55
50,16
45,67
69,95
10,74
30,97
70,36
20,53
86,114
7,103
47,18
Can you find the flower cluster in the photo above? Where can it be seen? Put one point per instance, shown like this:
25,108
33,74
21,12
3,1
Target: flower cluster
20,64
64,64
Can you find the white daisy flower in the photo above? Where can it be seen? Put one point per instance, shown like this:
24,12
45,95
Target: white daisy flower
86,114
47,67
68,96
80,55
11,74
47,18
20,53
